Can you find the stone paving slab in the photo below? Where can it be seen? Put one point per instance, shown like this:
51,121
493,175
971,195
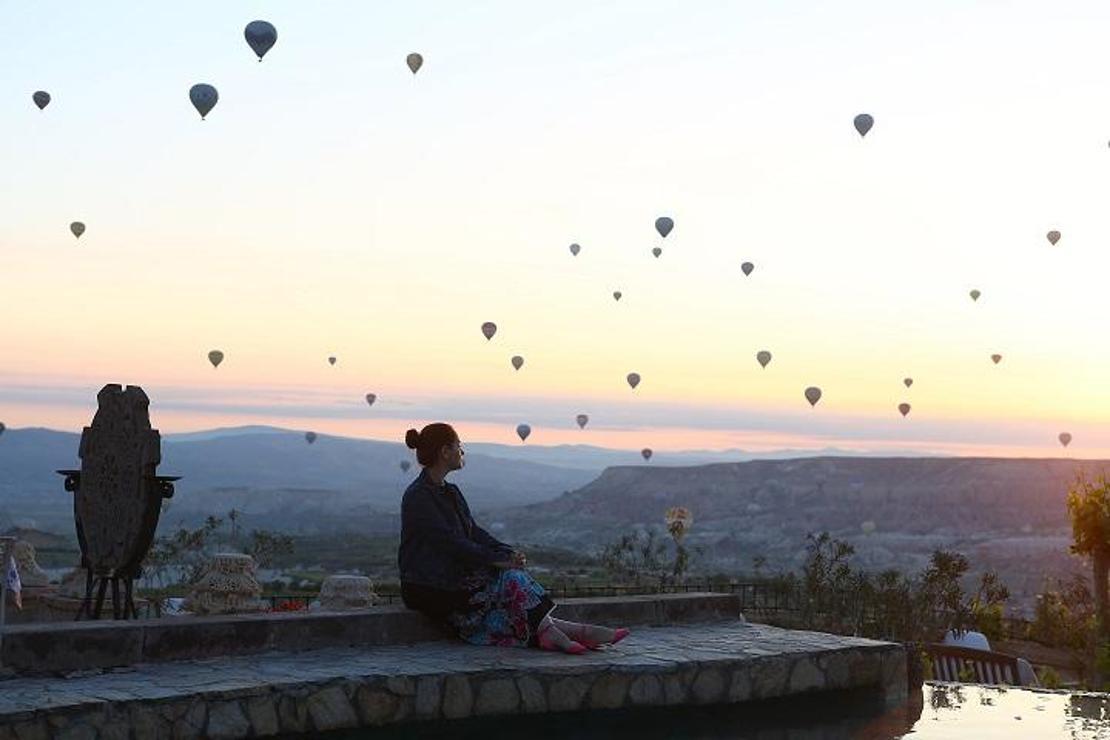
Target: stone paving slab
64,647
334,688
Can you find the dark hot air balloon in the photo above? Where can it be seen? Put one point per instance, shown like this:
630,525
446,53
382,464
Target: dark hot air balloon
657,251
575,249
415,62
1065,438
763,357
204,98
331,360
582,420
646,453
903,408
261,36
489,329
370,398
975,295
907,382
215,357
633,379
617,295
522,431
813,395
405,465
517,361
41,98
747,268
996,359
1053,237
663,225
863,123
77,228
310,437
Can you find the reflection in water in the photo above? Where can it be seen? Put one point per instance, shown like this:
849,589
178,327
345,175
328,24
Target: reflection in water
946,696
972,711
939,712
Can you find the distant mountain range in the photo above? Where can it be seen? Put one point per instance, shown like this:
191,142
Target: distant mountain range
279,480
272,474
1008,515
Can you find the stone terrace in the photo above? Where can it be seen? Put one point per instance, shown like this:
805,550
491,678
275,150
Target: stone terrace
334,688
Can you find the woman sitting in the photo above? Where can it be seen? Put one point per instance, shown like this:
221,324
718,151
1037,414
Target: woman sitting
458,574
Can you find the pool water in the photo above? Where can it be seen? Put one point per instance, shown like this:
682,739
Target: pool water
938,712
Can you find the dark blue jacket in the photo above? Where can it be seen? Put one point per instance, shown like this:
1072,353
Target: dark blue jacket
440,544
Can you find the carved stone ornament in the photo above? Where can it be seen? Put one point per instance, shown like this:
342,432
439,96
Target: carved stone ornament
347,592
117,502
227,587
30,574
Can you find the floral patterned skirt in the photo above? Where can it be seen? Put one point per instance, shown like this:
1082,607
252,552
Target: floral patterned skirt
494,607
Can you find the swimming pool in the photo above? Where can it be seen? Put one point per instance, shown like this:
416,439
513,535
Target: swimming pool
938,712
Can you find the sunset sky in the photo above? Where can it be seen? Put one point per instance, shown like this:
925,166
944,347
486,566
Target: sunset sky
335,204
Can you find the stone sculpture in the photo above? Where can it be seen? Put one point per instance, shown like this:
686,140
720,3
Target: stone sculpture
339,593
30,574
227,587
117,497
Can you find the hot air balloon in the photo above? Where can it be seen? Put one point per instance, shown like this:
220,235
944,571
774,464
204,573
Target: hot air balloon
907,382
663,225
975,295
215,357
489,329
405,465
996,359
813,395
261,36
633,379
646,453
522,431
657,251
617,295
310,437
903,408
582,420
1053,237
41,98
331,360
678,520
204,98
764,357
1065,438
77,228
370,398
415,62
868,527
2,427
747,268
575,249
863,123
517,361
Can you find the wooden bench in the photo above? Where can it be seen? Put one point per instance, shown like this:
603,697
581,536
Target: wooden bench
961,664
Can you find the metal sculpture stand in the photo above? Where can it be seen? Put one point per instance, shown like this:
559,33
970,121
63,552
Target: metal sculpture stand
117,499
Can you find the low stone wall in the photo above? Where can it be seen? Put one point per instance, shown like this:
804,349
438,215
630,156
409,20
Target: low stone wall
53,648
334,689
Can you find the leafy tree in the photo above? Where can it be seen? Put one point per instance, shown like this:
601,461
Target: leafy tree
1089,508
264,546
182,557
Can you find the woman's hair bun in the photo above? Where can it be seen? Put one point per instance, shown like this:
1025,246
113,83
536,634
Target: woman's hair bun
412,439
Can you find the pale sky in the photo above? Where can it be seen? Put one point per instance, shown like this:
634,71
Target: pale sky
335,204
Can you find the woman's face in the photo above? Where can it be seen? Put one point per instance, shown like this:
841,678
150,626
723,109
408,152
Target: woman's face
453,456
